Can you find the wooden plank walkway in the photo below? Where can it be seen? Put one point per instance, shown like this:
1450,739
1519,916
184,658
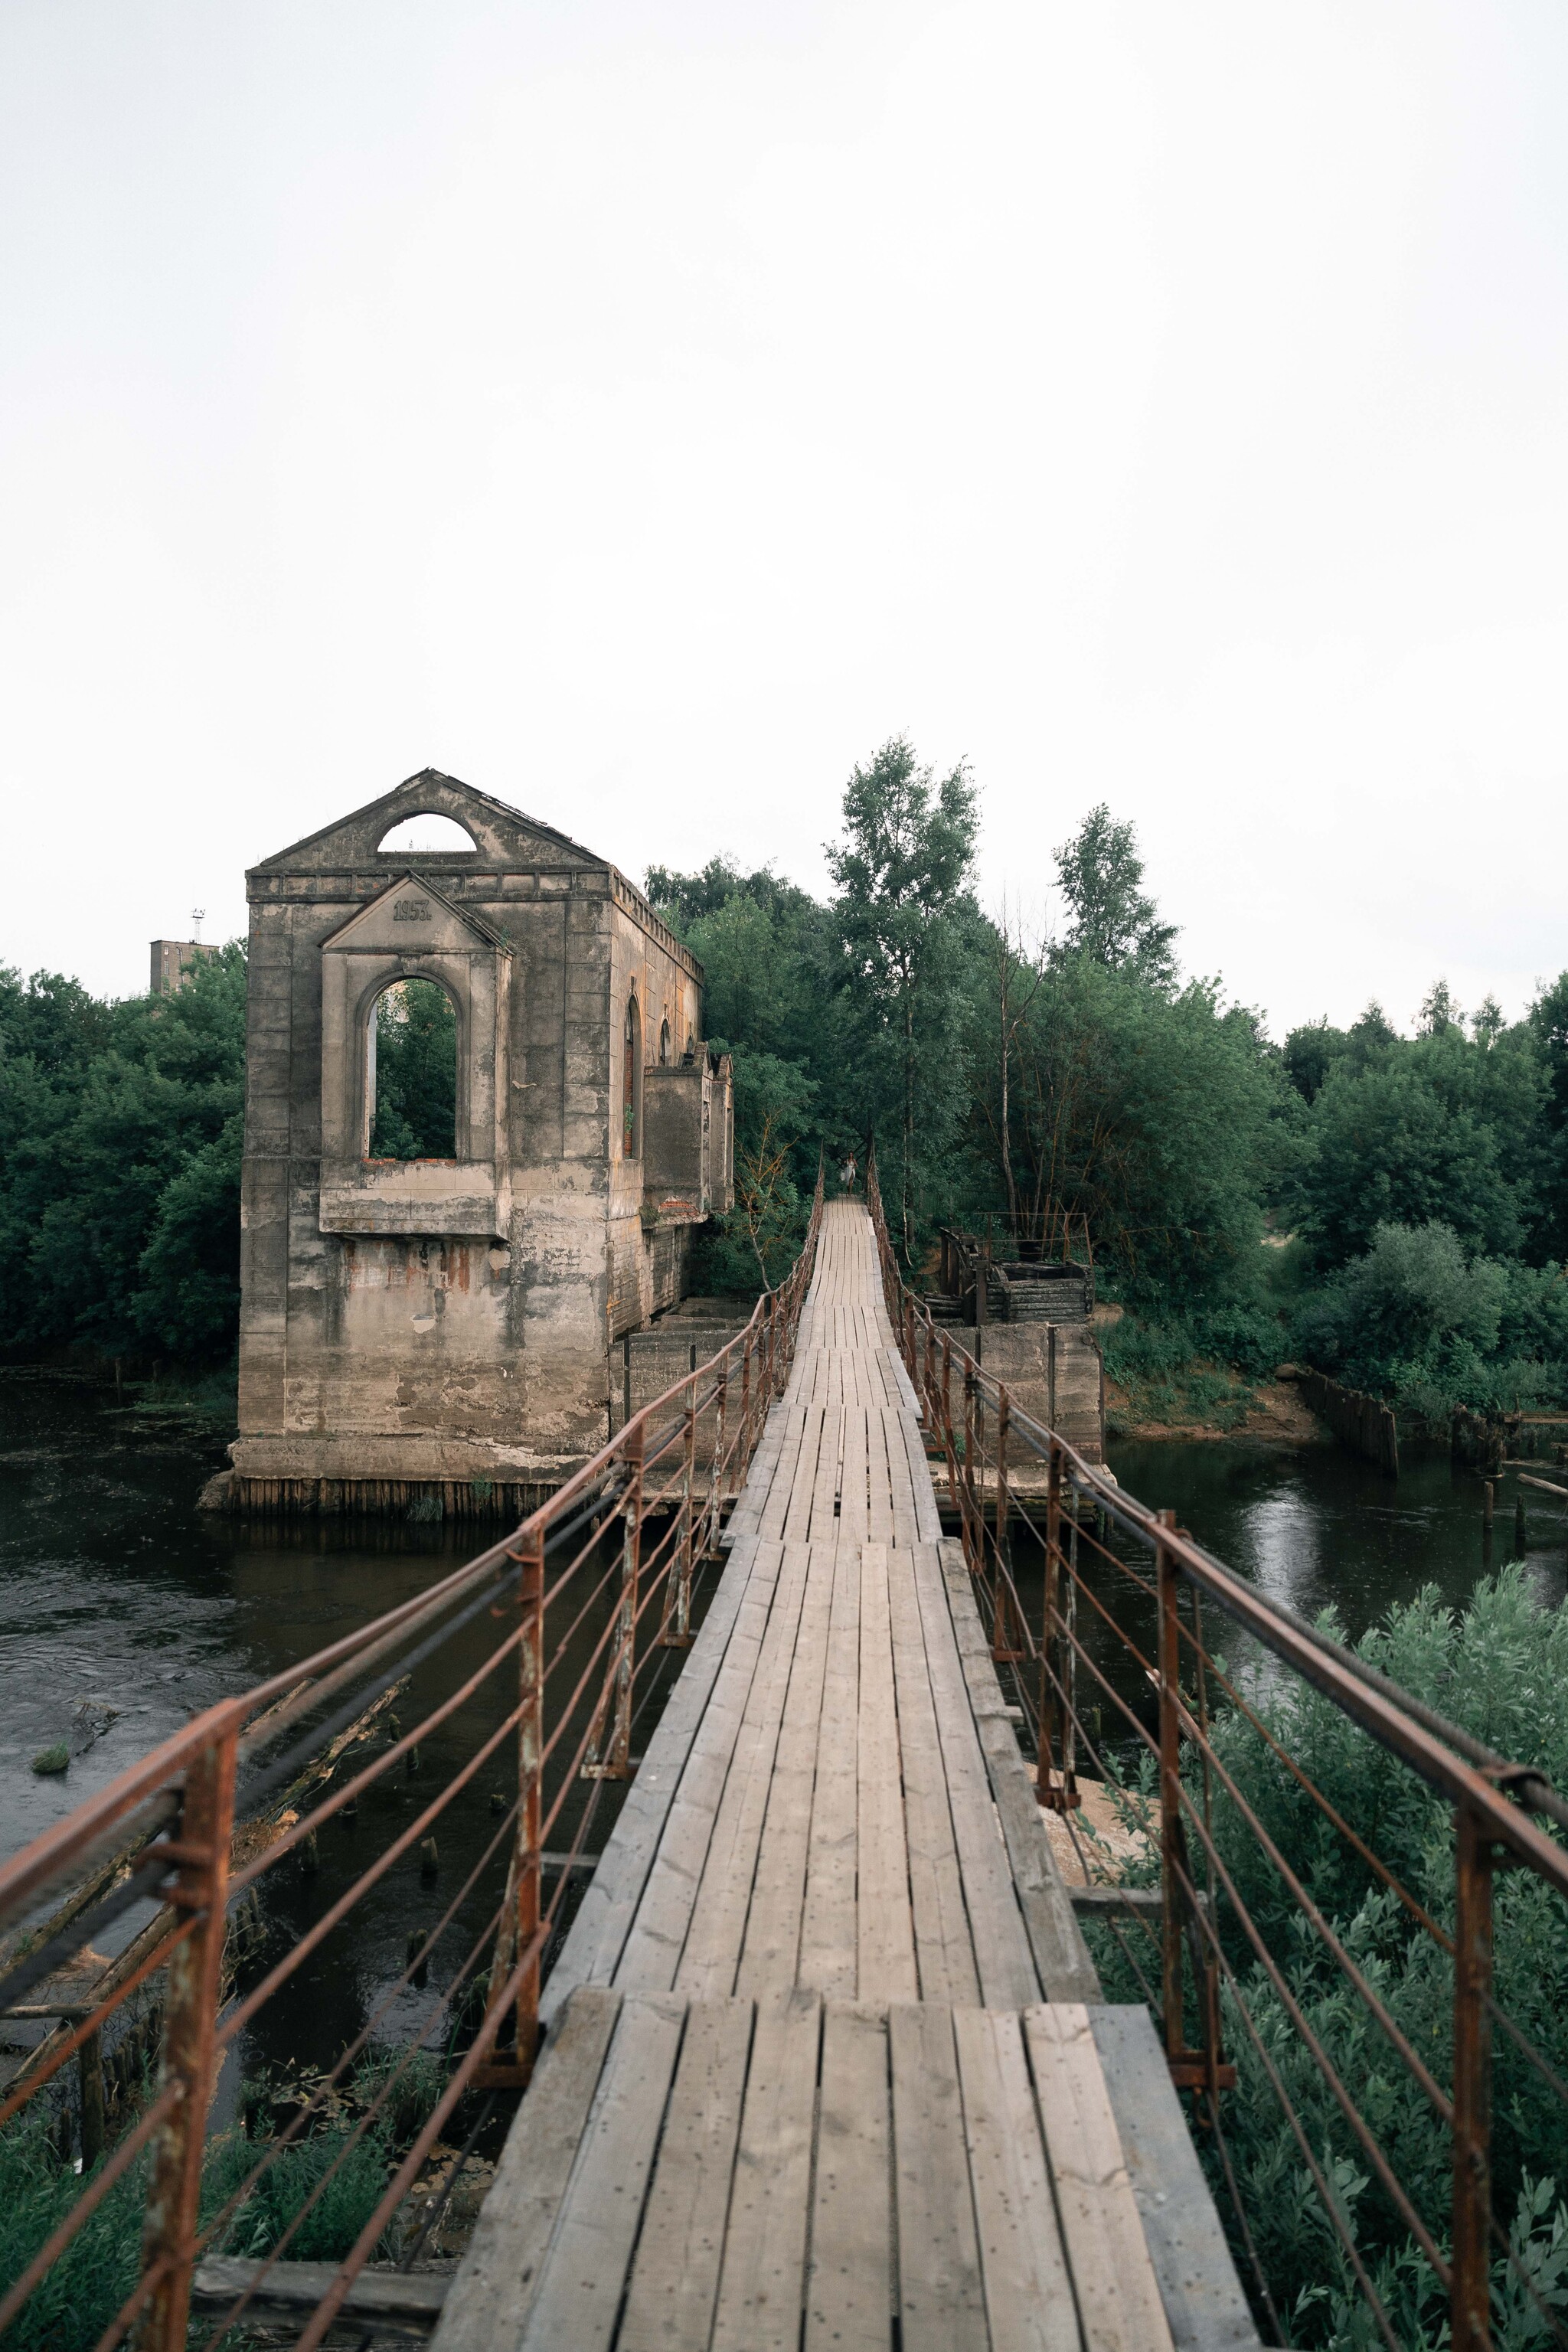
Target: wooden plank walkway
827,2065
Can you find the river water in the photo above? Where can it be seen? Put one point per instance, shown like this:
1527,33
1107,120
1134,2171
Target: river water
117,1593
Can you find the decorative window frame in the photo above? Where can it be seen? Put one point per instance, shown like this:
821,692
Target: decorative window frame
471,963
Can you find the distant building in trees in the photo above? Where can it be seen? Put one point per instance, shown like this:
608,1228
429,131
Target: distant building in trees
173,961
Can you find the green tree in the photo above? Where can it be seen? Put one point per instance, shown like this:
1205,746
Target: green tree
1148,1113
1548,1020
415,1073
904,916
1111,919
1438,1127
119,1130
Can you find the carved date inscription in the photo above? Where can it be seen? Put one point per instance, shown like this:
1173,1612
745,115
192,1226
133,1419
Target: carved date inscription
411,911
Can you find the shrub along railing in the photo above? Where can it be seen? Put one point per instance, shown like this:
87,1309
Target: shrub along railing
572,1617
1116,1636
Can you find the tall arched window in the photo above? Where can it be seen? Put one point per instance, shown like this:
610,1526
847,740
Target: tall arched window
411,1073
631,1083
664,1045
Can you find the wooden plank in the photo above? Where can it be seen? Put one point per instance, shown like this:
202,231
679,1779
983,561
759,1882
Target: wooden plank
884,1929
745,1519
293,2289
1028,2294
900,1486
771,1950
717,1920
944,1953
598,1936
1204,2306
928,1518
583,2273
762,2287
1061,1957
853,1527
1119,2300
656,1935
822,1526
942,2299
1007,1978
879,1481
675,2278
797,1511
827,1934
775,1511
492,2290
848,2292
642,1916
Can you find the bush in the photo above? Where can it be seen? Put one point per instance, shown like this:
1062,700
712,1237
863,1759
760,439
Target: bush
1185,1368
1419,1321
1500,1669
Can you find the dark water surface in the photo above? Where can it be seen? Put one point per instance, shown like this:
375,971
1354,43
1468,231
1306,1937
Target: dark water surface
1315,1526
117,1593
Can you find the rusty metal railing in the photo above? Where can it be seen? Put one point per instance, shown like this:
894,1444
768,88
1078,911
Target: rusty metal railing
1079,1662
573,1616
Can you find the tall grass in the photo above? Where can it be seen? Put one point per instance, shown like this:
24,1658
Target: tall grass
86,2287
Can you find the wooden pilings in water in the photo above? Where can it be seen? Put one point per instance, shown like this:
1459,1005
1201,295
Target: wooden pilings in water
433,1499
1362,1422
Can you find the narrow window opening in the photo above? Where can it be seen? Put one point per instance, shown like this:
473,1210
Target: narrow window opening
664,1045
413,1073
631,1083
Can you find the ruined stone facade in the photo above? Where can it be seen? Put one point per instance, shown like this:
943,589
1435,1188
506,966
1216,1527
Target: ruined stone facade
427,1324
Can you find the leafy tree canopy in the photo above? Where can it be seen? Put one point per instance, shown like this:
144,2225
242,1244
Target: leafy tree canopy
1111,919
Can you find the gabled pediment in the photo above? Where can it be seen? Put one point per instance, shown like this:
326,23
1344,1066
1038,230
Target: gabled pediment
503,837
411,917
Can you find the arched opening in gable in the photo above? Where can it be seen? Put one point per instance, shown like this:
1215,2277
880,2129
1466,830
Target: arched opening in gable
411,1065
429,830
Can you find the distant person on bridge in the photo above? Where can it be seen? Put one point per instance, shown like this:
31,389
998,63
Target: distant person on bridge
847,1172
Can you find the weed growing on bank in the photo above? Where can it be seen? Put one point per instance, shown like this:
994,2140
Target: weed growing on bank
81,2293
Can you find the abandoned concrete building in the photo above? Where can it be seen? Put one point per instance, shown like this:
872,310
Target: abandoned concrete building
436,1284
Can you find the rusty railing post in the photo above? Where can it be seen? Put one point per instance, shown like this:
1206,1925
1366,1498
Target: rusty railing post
1006,1646
718,1476
1172,1843
190,2020
521,1905
530,1775
610,1753
1045,1780
974,1552
1068,1655
949,1447
1471,2293
746,1396
675,1632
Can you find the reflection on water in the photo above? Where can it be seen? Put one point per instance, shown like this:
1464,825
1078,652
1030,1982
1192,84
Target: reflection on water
1313,1528
1318,1527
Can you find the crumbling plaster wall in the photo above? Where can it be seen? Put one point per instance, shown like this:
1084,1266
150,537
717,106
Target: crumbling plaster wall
403,1354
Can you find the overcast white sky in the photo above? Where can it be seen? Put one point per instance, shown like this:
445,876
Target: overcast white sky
642,411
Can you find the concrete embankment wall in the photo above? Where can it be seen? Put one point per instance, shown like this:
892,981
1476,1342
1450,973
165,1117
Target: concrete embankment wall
1052,1373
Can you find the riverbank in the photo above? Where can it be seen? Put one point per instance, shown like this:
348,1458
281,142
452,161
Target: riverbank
1211,1405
